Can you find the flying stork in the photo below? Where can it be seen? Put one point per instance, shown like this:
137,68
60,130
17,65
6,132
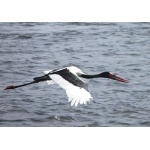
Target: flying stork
69,79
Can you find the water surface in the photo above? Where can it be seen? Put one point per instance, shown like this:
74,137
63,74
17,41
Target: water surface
27,49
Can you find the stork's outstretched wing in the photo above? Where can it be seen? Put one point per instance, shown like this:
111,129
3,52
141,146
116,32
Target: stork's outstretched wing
75,88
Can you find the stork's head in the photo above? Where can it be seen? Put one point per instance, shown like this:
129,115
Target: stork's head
112,76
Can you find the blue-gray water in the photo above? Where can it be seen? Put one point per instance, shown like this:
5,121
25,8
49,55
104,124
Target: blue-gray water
28,49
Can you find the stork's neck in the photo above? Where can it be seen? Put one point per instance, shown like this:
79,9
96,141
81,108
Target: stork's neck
101,75
91,76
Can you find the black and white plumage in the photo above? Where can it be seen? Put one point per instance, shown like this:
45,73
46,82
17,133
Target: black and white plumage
69,79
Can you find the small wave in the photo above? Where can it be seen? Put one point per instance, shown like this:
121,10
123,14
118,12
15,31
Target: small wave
27,100
7,62
37,120
65,118
92,23
2,112
50,118
60,118
145,123
18,110
11,120
123,123
95,124
24,37
28,24
40,113
132,54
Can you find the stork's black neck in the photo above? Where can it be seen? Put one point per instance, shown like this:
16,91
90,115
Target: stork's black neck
101,75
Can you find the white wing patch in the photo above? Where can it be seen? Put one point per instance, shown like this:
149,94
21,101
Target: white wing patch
75,94
48,71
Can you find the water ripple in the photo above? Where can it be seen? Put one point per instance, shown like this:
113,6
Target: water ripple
28,49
